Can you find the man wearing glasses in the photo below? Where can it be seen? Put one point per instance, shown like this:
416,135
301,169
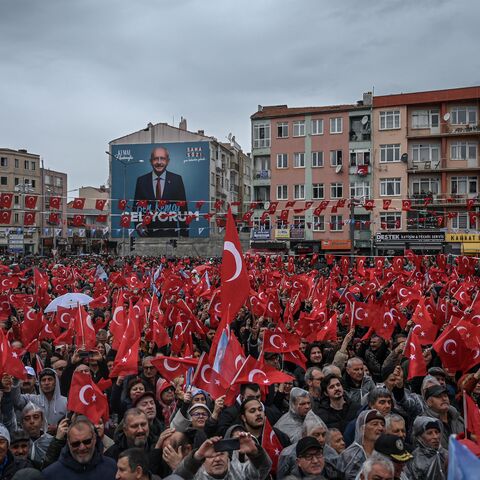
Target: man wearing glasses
310,460
82,456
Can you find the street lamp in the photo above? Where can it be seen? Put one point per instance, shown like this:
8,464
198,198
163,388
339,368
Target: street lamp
125,163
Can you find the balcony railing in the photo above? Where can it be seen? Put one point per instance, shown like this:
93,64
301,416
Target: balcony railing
360,136
418,200
262,174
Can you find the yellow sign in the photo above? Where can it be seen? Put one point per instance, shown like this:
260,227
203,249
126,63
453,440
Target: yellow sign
282,233
462,237
470,247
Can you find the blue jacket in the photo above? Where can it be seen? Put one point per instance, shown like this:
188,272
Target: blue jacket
66,468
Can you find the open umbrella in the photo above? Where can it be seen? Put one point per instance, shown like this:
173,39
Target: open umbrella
69,300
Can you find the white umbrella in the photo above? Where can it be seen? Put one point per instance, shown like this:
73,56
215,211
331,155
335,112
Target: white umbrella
69,300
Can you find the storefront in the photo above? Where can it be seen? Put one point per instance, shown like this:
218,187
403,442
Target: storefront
336,246
422,243
463,243
261,241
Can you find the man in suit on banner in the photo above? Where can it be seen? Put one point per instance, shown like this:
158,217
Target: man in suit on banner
161,184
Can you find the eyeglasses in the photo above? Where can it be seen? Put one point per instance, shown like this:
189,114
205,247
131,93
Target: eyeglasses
148,368
86,442
198,415
312,456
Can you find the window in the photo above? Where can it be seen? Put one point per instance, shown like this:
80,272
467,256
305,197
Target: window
3,162
422,186
299,192
462,221
299,221
390,186
17,163
336,190
463,185
463,151
32,165
359,190
319,223
282,192
15,217
299,160
425,118
33,183
362,222
212,178
282,130
261,135
282,160
390,220
26,164
390,153
299,129
336,223
318,191
425,153
389,119
16,181
463,116
16,200
317,126
58,182
317,159
336,125
3,180
359,157
48,180
335,157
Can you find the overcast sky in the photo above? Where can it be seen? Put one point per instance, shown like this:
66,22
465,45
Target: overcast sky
75,74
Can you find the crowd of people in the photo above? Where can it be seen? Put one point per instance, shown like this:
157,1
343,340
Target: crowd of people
324,382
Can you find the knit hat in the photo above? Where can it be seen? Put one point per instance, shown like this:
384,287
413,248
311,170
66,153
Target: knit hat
199,405
4,433
19,436
387,371
47,372
374,415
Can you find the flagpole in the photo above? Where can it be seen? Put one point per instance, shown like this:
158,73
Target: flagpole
465,412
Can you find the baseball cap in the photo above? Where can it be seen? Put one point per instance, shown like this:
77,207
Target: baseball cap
18,436
434,391
30,371
147,394
305,444
437,372
374,415
392,446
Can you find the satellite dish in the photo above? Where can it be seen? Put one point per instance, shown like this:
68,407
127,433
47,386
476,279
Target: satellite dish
364,119
446,117
404,158
338,169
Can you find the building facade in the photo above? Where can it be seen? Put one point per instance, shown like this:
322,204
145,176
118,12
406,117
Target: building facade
20,176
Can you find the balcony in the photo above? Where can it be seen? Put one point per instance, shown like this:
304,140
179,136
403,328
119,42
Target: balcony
443,199
234,166
446,130
234,189
436,166
360,136
262,177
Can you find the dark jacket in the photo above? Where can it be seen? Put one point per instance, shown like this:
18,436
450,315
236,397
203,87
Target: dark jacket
67,468
338,418
12,466
121,444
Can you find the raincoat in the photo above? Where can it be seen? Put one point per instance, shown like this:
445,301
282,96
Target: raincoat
291,423
427,462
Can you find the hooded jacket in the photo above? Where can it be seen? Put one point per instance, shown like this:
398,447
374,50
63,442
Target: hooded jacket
455,423
291,422
54,409
358,394
67,468
351,459
427,462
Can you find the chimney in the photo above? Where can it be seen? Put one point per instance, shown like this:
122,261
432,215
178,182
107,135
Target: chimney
201,132
260,108
183,124
367,98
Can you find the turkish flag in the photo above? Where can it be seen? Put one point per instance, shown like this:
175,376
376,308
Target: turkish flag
386,204
218,204
272,208
55,203
122,204
53,218
173,367
284,215
271,444
142,203
276,341
5,217
159,335
99,302
199,204
78,203
100,204
31,326
28,218
85,333
290,204
406,205
50,330
472,416
125,220
470,203
206,378
126,360
31,201
235,284
78,220
10,360
451,349
328,330
102,218
6,200
64,317
86,398
413,351
147,219
439,220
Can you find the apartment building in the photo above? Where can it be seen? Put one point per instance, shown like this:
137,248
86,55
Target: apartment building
303,157
426,151
20,176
